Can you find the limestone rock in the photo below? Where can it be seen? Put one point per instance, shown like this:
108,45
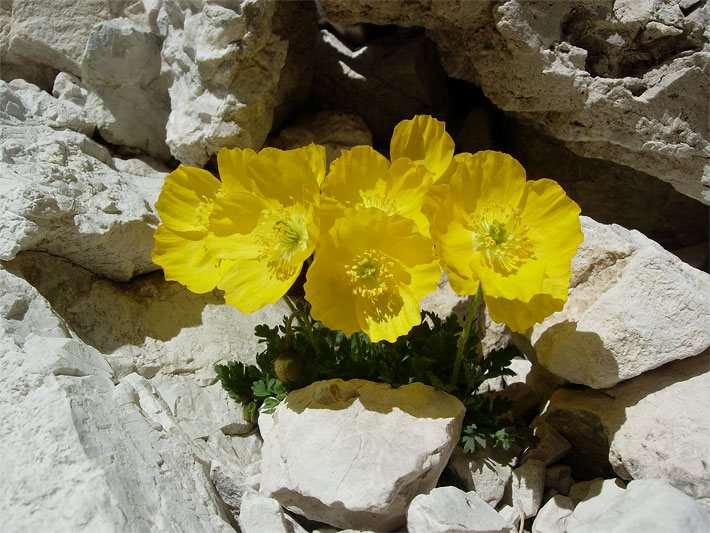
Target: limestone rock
150,326
354,454
630,88
54,34
552,446
201,410
40,108
528,486
260,514
646,505
236,472
62,194
632,307
388,80
127,96
590,496
485,472
451,509
333,129
225,68
646,427
82,453
554,515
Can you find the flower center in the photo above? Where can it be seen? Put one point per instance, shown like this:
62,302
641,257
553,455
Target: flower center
370,274
382,203
499,234
283,236
203,211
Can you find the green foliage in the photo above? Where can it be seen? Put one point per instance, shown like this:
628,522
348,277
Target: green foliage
424,355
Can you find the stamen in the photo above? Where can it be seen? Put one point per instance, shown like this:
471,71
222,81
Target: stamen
370,274
283,236
500,236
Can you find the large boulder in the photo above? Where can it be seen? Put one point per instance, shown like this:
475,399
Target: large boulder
624,81
65,194
646,505
632,307
355,453
155,328
229,69
127,95
653,426
81,451
51,36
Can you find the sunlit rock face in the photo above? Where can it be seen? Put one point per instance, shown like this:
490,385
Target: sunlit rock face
111,413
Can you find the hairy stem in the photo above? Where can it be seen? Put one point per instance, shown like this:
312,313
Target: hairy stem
304,320
463,339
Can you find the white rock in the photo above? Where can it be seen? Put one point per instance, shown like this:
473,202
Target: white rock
81,453
201,410
54,34
591,496
646,505
583,74
528,487
646,427
42,109
632,307
127,96
149,326
486,472
261,514
225,67
355,453
237,469
554,515
448,509
61,194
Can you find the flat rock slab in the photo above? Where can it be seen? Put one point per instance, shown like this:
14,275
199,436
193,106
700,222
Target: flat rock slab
354,454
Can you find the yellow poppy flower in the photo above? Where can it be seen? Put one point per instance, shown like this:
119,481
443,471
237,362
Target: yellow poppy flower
369,273
515,238
268,224
362,177
424,141
185,205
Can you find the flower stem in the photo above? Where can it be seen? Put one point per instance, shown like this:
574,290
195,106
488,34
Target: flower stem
463,338
304,320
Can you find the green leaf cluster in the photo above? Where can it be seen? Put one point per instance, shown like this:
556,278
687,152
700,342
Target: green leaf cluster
426,354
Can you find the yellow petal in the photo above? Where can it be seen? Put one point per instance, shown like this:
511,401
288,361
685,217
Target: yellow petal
288,176
424,140
250,284
354,171
554,226
186,199
187,261
369,273
332,299
232,164
520,316
487,178
389,316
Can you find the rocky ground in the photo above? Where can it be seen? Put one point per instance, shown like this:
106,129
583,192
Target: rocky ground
111,415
